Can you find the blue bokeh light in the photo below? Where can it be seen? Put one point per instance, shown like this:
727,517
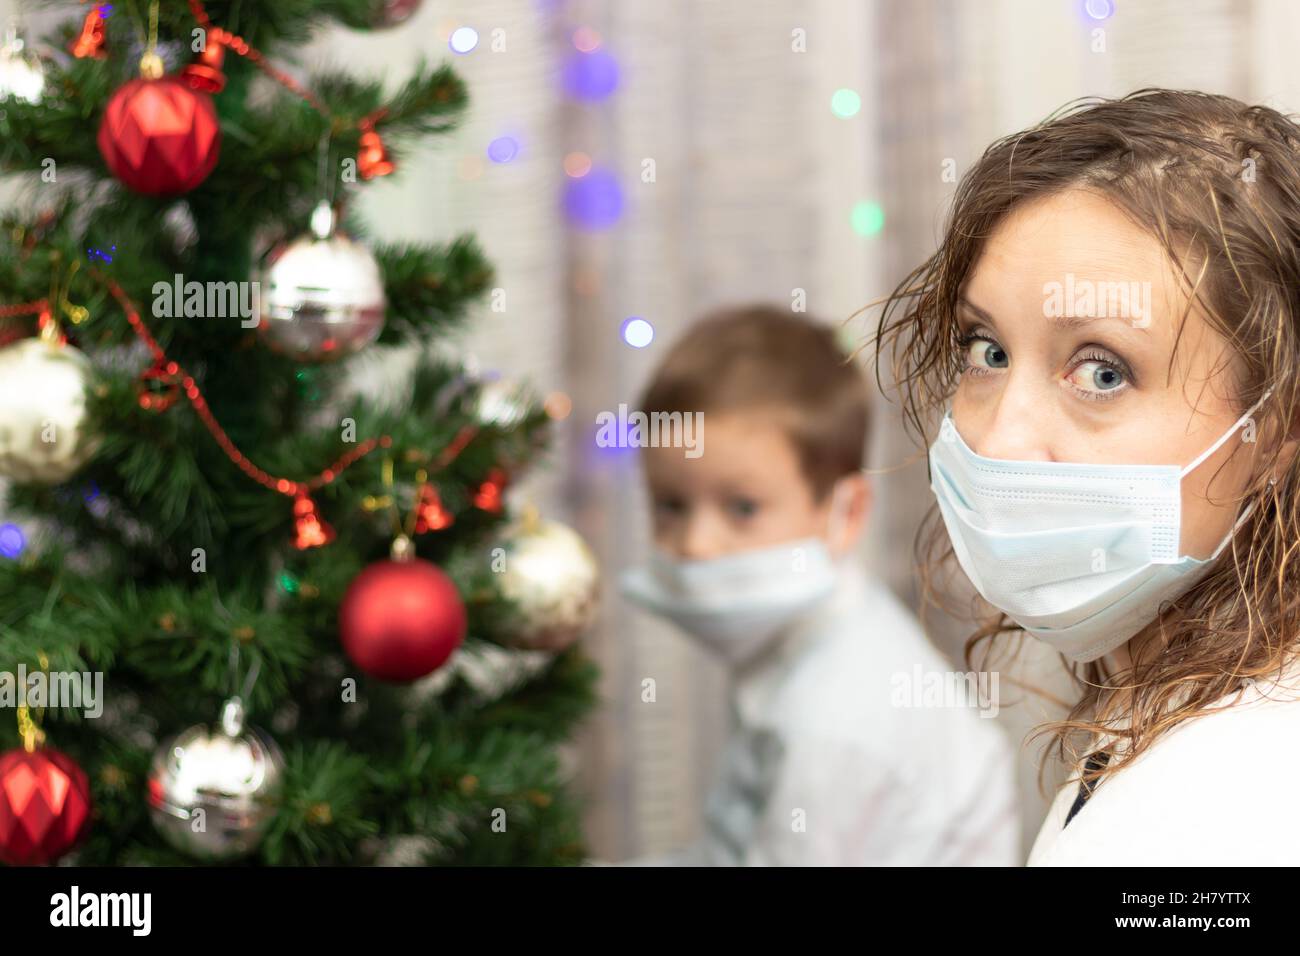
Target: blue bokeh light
590,76
12,540
503,149
594,201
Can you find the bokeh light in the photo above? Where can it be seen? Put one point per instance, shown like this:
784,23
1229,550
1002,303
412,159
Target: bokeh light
1098,9
590,76
637,332
471,167
503,149
595,201
12,541
463,39
587,281
868,218
577,164
558,406
585,39
845,103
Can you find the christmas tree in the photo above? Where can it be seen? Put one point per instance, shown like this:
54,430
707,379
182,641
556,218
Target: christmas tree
322,635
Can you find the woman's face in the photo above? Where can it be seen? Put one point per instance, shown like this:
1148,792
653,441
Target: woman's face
1097,386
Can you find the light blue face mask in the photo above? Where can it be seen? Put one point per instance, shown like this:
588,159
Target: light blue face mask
737,605
1081,556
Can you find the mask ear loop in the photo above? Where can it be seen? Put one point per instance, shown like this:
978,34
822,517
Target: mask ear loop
1226,435
1210,451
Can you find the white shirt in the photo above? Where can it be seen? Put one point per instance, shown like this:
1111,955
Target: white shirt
824,768
1217,790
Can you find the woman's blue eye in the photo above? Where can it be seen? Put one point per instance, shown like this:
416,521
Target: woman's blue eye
1098,376
1106,377
984,353
1093,377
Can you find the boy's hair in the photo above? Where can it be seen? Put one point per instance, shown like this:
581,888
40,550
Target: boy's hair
763,358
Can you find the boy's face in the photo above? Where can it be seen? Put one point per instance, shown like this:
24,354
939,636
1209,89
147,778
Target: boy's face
746,491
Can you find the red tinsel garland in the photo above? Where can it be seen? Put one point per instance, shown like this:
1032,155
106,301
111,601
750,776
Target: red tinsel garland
311,529
373,159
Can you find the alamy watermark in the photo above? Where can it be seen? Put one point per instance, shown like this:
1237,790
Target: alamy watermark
133,911
638,429
208,300
968,689
1087,298
82,691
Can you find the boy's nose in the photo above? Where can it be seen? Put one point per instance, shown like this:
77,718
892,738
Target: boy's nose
700,539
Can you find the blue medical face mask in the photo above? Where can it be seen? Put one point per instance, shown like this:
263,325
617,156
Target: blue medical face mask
1081,556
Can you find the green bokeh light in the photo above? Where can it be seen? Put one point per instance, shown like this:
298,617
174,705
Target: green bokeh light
845,103
868,218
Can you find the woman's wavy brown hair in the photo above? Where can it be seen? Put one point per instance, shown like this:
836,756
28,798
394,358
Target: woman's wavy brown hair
1218,182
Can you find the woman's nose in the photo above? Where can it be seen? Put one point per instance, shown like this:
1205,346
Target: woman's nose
1013,428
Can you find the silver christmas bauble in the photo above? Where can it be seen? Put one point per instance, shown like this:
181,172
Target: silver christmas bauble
212,792
21,74
554,581
322,295
43,411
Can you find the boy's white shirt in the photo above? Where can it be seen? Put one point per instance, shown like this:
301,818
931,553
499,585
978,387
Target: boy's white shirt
823,769
1214,791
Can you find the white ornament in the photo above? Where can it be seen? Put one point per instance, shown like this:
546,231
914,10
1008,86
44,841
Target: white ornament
554,580
43,411
21,74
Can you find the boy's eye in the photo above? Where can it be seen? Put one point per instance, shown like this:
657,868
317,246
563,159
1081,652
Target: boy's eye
742,507
669,506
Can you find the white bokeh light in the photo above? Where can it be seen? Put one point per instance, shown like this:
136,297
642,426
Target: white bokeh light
638,333
463,39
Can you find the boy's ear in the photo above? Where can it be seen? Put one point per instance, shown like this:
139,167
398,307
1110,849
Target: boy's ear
849,513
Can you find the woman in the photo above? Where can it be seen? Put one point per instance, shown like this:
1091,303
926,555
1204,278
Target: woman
1110,337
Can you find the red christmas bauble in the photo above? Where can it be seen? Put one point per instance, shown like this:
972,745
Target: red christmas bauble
160,137
400,620
389,13
44,805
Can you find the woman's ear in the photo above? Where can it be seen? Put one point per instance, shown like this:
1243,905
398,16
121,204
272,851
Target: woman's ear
1290,446
849,508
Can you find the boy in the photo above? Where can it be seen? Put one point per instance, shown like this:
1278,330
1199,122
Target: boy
755,542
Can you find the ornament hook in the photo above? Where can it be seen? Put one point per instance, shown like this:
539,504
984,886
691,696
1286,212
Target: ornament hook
233,711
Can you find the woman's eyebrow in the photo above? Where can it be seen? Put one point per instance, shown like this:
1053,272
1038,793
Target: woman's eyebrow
1060,321
984,316
1075,321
